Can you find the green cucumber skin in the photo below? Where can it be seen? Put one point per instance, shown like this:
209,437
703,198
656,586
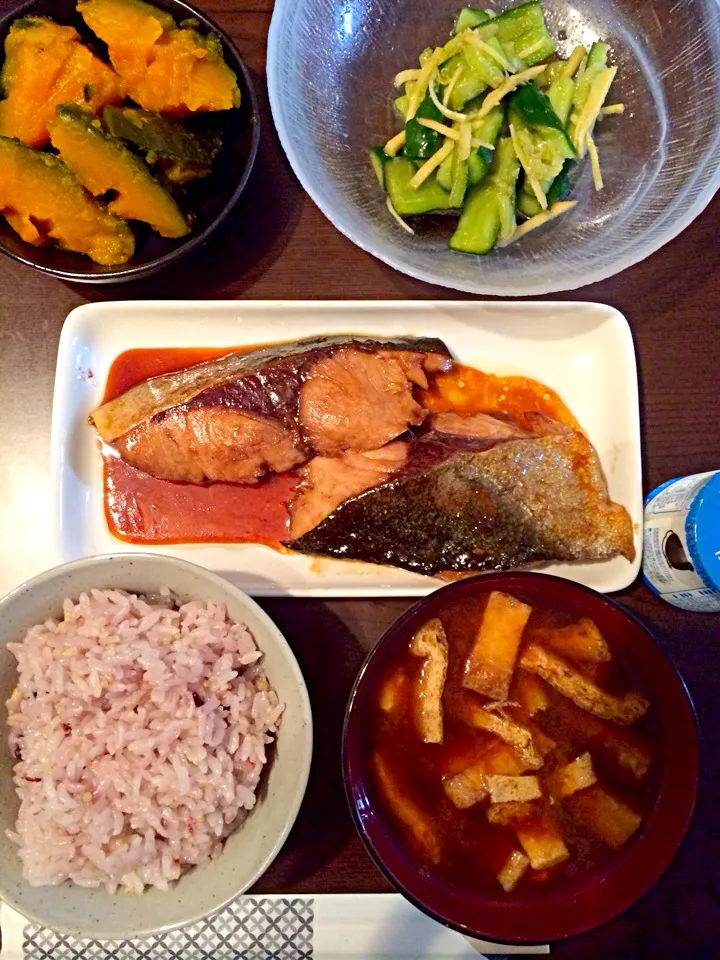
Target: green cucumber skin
597,56
479,226
378,159
523,26
445,173
480,162
469,17
481,219
561,186
534,108
560,94
407,200
421,142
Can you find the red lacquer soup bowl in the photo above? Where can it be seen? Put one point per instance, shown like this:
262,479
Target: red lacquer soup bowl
585,898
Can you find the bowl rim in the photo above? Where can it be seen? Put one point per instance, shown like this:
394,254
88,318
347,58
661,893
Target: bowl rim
194,242
664,829
659,238
100,562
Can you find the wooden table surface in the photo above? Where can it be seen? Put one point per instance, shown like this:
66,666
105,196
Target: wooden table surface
278,245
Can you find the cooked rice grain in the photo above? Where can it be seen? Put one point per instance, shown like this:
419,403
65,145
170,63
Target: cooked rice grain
140,730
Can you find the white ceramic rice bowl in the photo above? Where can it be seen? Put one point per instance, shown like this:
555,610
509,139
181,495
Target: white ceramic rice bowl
94,913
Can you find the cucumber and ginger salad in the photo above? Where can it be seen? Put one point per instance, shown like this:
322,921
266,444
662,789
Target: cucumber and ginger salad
494,123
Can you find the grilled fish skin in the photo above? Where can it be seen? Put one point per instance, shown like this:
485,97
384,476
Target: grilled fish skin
463,505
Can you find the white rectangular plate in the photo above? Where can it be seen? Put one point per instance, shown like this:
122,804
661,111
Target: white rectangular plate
584,351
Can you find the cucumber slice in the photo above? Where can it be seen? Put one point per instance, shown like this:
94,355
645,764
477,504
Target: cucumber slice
447,71
445,173
597,55
534,108
561,186
460,181
558,189
479,73
596,61
550,74
523,29
421,142
560,94
542,151
545,142
478,165
469,17
488,129
408,200
489,211
378,159
527,202
479,226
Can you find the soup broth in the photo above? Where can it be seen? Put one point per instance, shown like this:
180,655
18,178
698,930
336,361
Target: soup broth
544,765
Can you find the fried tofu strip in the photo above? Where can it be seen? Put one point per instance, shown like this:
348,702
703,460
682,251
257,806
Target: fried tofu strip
501,758
514,734
570,683
511,812
513,870
632,757
609,818
503,789
414,820
541,841
579,641
543,743
531,693
430,643
622,748
574,776
468,787
490,664
394,692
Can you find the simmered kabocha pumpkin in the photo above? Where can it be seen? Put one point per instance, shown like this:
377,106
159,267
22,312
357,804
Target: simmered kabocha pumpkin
183,155
45,65
43,202
103,163
172,70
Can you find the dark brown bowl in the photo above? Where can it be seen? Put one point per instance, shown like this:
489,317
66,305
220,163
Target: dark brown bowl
210,200
583,902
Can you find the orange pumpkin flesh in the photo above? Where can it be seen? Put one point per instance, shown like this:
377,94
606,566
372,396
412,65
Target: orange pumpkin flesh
45,65
42,201
166,69
102,163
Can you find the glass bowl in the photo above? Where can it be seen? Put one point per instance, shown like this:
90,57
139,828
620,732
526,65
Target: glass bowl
330,70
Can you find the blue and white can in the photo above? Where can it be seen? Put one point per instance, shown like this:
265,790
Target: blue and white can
681,542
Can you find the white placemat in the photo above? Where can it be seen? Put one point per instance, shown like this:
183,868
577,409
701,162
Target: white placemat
280,927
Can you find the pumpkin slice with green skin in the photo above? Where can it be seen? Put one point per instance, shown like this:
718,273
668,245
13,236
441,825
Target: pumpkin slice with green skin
130,28
44,202
180,154
45,65
176,71
103,163
155,133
